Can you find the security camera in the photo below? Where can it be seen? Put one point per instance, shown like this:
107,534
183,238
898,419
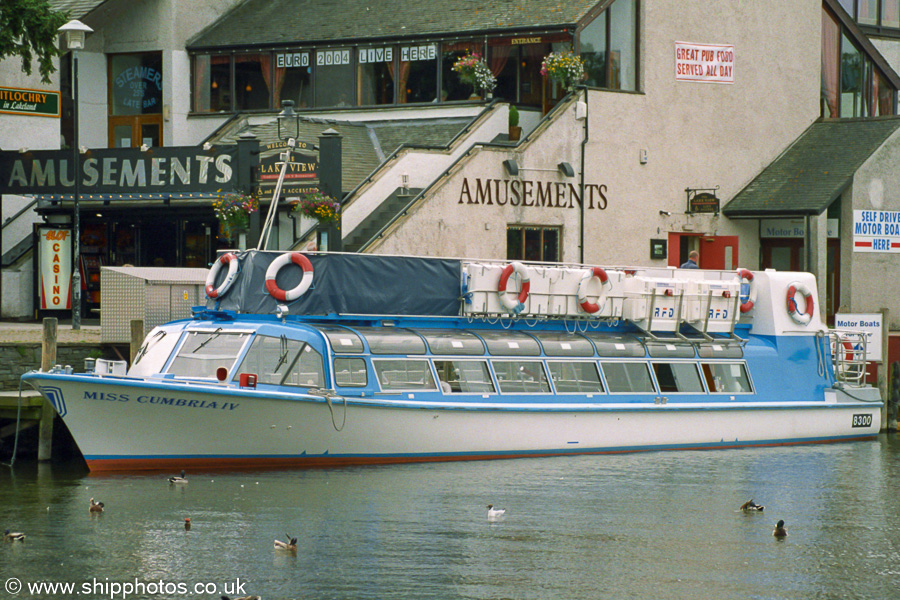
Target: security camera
665,213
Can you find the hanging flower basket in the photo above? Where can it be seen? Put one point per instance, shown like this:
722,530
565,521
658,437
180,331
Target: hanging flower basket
317,205
233,210
474,71
565,68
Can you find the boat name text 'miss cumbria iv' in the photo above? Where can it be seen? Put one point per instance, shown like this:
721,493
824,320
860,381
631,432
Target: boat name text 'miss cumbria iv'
331,359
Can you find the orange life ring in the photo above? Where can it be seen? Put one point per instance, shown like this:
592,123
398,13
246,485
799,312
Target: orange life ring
226,259
586,305
751,297
801,318
297,291
516,304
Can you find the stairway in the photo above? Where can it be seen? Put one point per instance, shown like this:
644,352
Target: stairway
392,206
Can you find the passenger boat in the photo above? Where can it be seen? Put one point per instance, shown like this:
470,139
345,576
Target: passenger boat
325,359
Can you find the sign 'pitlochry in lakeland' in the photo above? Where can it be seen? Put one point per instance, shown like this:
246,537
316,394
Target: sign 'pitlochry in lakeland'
18,101
162,170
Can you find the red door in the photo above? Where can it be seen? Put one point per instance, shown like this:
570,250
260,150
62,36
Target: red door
716,251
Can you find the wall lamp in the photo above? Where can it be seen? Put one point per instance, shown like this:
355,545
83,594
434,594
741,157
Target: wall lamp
511,167
566,169
665,213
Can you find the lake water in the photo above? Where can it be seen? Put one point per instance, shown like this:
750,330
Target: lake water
651,525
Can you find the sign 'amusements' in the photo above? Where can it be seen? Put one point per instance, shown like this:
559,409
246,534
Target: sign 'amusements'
161,170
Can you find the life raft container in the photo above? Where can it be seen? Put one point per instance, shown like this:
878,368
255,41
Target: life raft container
297,291
586,305
514,304
801,318
751,297
229,259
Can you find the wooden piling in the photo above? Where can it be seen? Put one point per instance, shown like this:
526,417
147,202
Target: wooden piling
48,413
137,338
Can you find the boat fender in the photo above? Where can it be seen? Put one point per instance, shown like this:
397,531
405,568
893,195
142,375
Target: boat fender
297,291
751,297
515,304
801,318
229,259
586,305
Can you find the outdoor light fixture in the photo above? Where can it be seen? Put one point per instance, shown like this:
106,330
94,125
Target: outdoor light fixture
665,213
74,33
287,112
511,167
207,146
566,169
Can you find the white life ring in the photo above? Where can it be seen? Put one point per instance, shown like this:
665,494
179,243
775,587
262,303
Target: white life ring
801,318
751,298
293,293
514,304
586,305
226,259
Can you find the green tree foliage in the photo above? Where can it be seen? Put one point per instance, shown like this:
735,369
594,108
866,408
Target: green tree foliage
28,29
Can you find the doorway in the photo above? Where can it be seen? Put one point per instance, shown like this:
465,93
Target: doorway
719,252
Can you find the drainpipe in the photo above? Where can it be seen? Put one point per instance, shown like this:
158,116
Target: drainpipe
581,178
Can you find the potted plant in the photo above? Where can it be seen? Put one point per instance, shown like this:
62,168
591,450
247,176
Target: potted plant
318,206
474,71
564,68
515,132
233,209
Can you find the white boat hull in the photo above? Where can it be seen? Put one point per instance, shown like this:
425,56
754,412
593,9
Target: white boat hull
127,424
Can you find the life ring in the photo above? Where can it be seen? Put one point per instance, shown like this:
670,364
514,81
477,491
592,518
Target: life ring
801,318
293,293
226,259
751,297
586,305
516,304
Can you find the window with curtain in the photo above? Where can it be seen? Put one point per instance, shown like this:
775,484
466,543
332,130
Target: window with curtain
852,79
451,87
532,243
890,13
868,12
502,59
292,79
252,79
335,81
212,83
831,36
623,45
416,80
609,47
375,75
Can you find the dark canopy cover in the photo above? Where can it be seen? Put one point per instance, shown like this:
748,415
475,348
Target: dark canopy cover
348,284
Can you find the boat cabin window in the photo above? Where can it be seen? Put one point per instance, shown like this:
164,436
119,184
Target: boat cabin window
205,351
464,376
510,343
350,372
274,361
388,340
726,378
452,342
677,377
627,377
716,350
564,344
670,349
151,357
342,340
571,377
521,376
404,374
616,345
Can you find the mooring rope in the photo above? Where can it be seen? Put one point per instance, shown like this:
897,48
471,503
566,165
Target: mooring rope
12,460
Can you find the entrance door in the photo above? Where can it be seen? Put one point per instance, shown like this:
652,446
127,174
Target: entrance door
135,131
716,251
782,254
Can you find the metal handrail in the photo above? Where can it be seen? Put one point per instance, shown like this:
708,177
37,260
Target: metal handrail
848,356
